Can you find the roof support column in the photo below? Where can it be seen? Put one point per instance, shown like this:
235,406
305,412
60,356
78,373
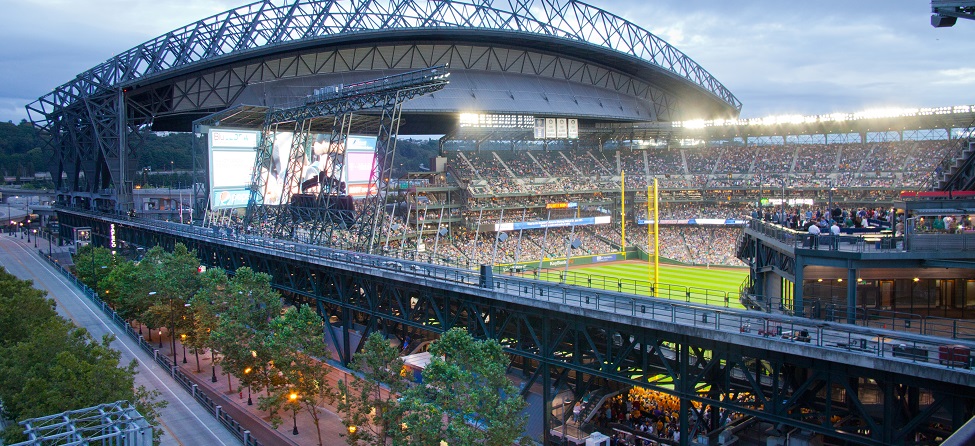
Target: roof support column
123,190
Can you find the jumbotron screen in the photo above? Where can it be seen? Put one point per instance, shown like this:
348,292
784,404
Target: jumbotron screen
360,163
232,154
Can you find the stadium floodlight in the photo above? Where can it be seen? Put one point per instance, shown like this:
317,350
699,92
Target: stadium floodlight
877,113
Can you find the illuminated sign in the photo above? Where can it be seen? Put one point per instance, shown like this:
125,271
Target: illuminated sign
360,165
240,139
563,205
496,121
601,220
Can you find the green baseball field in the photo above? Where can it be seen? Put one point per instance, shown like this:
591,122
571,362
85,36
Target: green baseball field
697,284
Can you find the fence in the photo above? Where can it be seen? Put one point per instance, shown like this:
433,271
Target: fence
828,335
164,361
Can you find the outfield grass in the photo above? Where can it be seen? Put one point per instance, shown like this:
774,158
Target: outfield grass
698,284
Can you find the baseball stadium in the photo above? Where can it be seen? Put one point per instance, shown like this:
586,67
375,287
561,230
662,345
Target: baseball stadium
572,147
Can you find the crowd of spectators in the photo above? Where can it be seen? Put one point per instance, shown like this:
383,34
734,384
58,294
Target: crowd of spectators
717,182
653,416
906,164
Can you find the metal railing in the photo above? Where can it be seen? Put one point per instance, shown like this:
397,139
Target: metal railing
861,242
778,328
164,361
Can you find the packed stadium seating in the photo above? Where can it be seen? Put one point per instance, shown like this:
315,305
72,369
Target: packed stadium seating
716,182
720,183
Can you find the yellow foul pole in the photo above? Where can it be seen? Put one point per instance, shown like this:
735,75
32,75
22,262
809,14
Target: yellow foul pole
650,234
656,232
623,212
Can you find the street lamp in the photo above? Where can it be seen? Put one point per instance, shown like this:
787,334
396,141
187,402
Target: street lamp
35,238
213,365
294,412
172,325
182,341
153,293
247,371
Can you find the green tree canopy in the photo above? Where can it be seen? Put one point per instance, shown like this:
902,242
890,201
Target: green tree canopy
465,397
22,309
93,264
244,324
49,366
363,400
295,341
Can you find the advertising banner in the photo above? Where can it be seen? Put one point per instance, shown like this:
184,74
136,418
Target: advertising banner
696,221
516,226
605,258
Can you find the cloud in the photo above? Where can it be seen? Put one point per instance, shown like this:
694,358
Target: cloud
793,57
46,43
816,57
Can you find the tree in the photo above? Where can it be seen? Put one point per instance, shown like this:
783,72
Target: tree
92,264
49,366
120,286
465,397
22,309
363,402
174,280
139,302
243,325
206,305
295,341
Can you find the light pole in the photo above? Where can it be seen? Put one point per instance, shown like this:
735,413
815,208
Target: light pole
247,371
153,293
213,367
172,326
35,238
182,341
294,412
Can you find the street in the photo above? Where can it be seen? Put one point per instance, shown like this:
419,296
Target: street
184,421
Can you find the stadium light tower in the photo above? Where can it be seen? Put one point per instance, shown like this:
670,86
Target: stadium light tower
946,12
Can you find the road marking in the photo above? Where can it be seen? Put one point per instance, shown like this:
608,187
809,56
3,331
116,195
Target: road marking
57,276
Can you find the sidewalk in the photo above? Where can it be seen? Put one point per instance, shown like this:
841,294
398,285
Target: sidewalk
225,393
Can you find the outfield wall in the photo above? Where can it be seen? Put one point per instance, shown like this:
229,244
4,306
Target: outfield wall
556,262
